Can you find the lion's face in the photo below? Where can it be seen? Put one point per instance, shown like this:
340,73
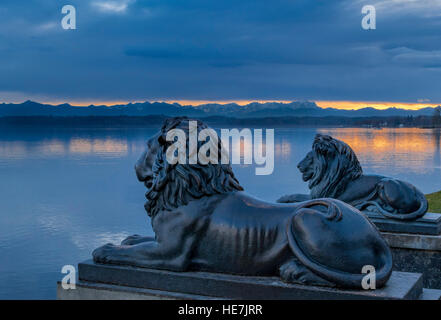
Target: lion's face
329,167
171,185
144,165
306,166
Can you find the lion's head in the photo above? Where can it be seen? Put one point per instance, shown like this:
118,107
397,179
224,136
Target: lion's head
329,167
173,185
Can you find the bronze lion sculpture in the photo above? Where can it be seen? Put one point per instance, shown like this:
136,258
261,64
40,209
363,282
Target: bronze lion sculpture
203,221
332,170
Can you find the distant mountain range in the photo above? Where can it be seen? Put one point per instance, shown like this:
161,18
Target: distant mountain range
232,110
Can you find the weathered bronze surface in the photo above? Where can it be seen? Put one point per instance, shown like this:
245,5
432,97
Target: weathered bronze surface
203,221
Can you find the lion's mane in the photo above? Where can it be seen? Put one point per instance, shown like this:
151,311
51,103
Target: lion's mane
177,184
334,166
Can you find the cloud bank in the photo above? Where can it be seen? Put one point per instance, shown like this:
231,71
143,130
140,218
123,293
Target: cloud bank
221,50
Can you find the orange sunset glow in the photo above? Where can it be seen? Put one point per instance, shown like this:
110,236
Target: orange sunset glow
391,145
382,141
348,105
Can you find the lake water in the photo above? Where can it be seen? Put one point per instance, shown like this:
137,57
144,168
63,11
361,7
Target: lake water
65,192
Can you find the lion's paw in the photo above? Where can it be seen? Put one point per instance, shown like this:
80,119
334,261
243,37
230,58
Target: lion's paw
284,199
104,253
295,272
131,240
135,239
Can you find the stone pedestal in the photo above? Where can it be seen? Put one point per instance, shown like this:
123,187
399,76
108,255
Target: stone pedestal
100,291
417,253
429,224
416,245
118,282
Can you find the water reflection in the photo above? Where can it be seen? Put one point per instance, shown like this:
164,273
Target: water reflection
403,148
13,149
98,146
54,148
112,146
283,150
412,149
436,142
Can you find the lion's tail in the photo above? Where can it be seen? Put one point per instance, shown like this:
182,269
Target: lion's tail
336,245
424,205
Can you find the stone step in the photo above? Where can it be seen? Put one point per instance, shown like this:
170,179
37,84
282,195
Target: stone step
430,294
101,291
402,285
429,224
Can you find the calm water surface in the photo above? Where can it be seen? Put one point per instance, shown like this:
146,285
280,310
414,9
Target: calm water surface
65,192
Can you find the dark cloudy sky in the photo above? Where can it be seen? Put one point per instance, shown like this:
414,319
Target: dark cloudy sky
220,50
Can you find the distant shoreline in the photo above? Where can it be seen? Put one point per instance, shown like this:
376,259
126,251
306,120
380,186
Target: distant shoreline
424,122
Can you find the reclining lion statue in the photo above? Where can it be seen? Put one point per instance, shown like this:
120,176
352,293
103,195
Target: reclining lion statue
333,171
204,221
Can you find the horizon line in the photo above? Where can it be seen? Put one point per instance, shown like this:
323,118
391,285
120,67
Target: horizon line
336,104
